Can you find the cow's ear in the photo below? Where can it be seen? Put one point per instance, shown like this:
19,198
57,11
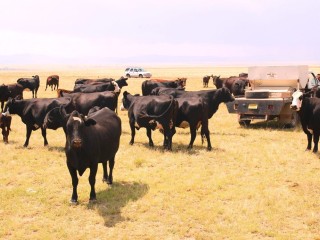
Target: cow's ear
89,122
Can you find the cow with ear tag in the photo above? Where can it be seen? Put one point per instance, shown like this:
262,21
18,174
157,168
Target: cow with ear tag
89,141
308,110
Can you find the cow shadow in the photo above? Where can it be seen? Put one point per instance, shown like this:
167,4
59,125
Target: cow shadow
110,202
56,148
273,125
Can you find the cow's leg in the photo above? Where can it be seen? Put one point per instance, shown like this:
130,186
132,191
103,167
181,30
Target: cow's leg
111,165
92,181
193,133
2,104
105,172
205,132
168,137
315,141
75,180
133,132
150,137
29,130
4,133
309,137
46,87
44,135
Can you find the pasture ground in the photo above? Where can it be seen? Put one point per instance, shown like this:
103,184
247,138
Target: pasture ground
256,183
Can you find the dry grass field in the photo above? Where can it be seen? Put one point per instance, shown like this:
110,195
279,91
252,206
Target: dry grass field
256,183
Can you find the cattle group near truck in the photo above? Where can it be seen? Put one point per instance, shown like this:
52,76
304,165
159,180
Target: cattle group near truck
164,104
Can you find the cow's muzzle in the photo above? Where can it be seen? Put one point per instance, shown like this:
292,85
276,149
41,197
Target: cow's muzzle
76,143
294,107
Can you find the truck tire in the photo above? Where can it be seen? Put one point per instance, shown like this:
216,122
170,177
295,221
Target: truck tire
244,123
258,94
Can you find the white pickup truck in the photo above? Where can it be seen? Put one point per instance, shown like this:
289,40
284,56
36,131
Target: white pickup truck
269,96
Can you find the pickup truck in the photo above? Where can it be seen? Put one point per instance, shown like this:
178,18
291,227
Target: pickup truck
270,94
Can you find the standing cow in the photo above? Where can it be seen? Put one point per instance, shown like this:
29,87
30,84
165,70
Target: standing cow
151,112
205,80
33,111
308,110
53,82
5,124
30,83
90,141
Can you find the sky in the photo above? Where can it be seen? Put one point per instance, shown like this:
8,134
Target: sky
222,32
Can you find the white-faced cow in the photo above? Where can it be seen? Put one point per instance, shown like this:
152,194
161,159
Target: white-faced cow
308,110
151,112
89,141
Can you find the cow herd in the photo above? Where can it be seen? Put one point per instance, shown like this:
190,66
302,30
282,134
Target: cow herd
92,127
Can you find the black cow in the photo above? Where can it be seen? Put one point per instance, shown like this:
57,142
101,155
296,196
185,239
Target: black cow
90,141
308,110
33,112
205,80
148,85
101,87
53,82
151,112
83,102
193,113
238,87
212,97
30,83
5,124
11,90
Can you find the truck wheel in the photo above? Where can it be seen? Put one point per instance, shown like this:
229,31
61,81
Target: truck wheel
140,76
244,123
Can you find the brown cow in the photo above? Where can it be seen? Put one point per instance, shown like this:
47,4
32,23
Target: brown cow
52,81
205,80
5,123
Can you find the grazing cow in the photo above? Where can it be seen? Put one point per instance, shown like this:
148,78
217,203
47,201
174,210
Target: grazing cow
148,85
205,80
30,83
11,90
52,81
5,124
308,110
83,102
101,87
33,111
90,141
151,112
193,113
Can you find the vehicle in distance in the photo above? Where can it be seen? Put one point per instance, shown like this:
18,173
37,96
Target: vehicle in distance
137,72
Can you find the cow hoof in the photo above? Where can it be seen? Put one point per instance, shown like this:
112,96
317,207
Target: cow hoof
209,148
93,200
104,179
73,202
